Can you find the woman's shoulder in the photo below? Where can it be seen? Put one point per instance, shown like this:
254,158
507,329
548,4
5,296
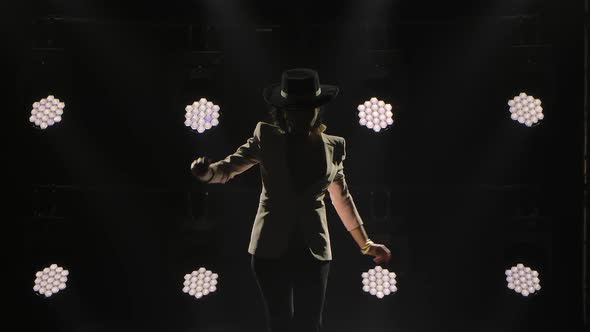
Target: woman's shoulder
263,124
266,130
335,138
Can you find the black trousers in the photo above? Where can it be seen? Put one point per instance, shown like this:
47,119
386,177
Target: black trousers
293,289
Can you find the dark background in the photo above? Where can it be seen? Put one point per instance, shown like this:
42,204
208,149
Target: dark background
456,189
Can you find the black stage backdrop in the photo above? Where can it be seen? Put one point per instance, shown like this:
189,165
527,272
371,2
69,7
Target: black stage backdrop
456,189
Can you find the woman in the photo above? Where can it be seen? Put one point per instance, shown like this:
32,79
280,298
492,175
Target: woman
290,243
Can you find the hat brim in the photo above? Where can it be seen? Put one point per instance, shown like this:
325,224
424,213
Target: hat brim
272,95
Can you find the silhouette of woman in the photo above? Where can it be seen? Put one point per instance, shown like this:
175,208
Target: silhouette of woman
290,243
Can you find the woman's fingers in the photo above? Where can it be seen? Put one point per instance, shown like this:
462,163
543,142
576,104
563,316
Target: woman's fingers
381,253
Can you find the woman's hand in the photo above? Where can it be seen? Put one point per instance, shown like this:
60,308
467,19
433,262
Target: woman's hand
381,253
200,168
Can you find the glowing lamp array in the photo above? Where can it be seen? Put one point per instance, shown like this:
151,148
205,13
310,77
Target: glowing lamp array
379,282
50,280
200,283
526,109
201,115
47,112
375,114
523,280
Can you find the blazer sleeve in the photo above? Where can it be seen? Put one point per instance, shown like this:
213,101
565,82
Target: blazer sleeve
246,156
342,199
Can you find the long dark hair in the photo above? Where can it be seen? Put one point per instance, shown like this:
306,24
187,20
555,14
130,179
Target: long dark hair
277,117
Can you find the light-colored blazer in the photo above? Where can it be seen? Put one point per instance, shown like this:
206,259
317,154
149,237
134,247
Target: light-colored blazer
280,207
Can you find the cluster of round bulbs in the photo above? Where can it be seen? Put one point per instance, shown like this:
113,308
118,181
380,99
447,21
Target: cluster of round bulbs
200,283
50,280
47,112
379,282
375,114
523,280
526,109
201,115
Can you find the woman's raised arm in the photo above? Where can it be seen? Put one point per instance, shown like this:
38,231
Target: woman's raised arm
246,156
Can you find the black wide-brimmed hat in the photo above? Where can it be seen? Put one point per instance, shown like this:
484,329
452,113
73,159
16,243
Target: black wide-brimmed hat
300,89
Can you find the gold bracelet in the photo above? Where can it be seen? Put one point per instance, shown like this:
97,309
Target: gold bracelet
365,249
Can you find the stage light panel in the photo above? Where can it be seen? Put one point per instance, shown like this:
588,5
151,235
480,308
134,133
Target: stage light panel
526,109
375,114
201,115
523,280
47,112
50,280
200,283
379,282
